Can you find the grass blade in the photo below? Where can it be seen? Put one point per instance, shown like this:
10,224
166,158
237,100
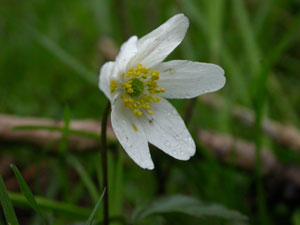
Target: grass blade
27,193
91,217
7,206
65,57
215,11
84,177
250,44
254,56
261,14
55,206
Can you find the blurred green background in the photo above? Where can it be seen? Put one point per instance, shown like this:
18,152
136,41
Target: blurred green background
50,56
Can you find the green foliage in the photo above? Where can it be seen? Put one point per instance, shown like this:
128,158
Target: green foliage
61,208
65,57
7,206
91,217
189,206
296,218
27,193
86,179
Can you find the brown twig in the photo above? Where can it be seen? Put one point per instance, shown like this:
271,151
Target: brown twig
222,146
283,134
236,151
108,49
45,138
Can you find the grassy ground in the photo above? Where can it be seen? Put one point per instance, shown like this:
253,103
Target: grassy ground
49,64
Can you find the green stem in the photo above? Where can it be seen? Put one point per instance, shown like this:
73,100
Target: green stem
104,162
259,103
258,172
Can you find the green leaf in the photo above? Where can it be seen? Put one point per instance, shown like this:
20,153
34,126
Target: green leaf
296,218
190,206
7,206
52,205
91,217
27,193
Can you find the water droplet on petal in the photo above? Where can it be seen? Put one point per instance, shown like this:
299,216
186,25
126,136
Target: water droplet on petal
167,143
177,136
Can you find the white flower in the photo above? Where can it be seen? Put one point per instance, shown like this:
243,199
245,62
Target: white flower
138,82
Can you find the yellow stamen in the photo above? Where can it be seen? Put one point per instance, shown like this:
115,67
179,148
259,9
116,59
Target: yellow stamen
139,87
113,86
134,127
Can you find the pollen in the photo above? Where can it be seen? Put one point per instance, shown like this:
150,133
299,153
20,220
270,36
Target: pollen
134,127
113,86
139,87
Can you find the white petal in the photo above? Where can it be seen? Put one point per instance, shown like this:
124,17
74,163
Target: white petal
134,142
186,79
127,51
154,47
106,72
166,130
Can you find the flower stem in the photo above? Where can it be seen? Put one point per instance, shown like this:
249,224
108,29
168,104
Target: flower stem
104,162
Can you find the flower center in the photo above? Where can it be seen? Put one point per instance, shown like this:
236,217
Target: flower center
139,87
